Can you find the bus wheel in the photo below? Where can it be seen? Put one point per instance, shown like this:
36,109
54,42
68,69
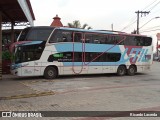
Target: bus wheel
121,70
132,70
50,73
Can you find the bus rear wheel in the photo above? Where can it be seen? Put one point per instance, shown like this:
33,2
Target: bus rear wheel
131,70
50,73
121,70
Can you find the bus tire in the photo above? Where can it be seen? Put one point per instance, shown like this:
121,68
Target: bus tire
131,70
50,73
121,70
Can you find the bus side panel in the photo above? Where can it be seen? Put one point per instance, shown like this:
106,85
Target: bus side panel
146,59
49,50
136,55
27,69
74,68
51,64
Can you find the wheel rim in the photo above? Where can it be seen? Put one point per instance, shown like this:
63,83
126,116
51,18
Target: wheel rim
121,71
132,70
50,73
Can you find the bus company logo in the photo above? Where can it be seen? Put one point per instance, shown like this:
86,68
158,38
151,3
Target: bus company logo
6,114
135,54
26,71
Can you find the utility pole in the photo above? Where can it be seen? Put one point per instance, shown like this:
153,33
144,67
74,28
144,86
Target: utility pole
142,13
112,26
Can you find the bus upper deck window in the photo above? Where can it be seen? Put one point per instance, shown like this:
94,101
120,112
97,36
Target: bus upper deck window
61,36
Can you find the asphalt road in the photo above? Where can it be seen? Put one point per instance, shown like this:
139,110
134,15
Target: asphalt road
105,92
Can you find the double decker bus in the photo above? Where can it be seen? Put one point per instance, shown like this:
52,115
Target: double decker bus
52,51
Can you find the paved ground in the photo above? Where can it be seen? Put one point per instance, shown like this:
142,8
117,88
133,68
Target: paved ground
106,92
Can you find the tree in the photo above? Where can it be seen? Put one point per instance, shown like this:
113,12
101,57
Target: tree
77,24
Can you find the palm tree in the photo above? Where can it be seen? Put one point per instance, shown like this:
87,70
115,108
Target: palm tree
77,24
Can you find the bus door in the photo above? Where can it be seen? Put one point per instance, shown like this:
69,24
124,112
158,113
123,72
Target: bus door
78,66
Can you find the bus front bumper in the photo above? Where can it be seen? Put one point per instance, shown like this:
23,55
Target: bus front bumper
16,72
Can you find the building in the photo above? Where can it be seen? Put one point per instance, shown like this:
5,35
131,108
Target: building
56,22
14,13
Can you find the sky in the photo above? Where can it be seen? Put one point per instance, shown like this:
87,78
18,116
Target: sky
100,14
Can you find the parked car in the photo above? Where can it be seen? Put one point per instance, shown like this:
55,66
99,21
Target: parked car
155,58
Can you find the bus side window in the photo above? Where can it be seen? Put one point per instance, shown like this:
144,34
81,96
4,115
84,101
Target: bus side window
77,37
61,36
112,57
130,40
99,38
147,41
110,39
88,38
119,39
55,36
96,39
66,36
87,57
102,39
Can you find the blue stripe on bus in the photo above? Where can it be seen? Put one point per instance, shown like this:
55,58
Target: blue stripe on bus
92,63
87,47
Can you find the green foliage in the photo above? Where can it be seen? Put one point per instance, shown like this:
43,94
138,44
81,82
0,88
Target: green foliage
77,24
6,55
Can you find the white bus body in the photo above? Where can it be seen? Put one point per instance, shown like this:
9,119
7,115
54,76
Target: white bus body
68,51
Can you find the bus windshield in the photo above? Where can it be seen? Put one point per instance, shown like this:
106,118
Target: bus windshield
35,34
28,52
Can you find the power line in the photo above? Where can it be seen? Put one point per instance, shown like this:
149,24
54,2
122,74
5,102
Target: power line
149,21
142,13
150,30
154,6
149,4
132,22
155,11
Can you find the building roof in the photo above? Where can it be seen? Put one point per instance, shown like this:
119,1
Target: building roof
16,11
56,22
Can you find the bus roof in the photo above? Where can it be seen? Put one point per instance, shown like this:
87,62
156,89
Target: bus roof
102,31
98,31
85,30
